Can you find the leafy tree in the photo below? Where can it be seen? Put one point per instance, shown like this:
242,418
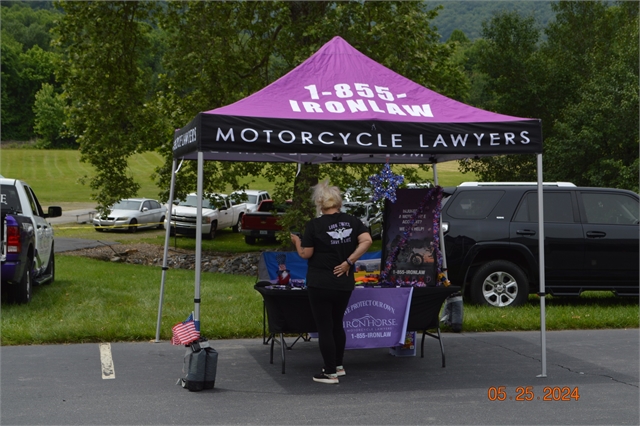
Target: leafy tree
596,140
105,45
509,71
49,108
236,48
27,63
582,83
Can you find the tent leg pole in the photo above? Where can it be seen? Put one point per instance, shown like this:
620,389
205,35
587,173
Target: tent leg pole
198,265
166,249
543,335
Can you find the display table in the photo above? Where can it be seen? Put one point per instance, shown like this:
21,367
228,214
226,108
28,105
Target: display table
289,312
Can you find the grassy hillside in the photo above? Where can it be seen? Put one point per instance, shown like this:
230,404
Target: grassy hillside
57,175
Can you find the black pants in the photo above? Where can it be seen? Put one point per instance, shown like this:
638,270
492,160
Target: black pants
328,308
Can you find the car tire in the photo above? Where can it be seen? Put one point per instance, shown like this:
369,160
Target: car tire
22,291
238,226
133,226
416,259
212,233
249,239
51,268
161,224
499,283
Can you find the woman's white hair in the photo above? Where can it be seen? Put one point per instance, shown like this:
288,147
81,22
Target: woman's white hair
326,196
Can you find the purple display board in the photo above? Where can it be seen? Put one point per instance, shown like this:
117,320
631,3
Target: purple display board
377,317
409,249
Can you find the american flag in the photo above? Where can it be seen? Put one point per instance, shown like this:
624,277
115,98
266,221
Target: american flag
185,332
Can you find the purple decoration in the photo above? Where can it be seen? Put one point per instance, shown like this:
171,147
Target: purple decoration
387,191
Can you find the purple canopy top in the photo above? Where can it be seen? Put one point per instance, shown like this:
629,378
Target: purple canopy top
340,83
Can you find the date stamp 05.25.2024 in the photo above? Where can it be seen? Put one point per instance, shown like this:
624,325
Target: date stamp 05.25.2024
527,393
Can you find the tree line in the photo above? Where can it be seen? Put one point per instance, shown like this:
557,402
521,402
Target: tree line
113,78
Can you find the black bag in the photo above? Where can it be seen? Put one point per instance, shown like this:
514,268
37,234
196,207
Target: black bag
200,365
453,312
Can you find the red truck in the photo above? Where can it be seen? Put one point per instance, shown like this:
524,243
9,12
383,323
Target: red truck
263,223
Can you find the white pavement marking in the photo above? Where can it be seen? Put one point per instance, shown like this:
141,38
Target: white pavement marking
108,372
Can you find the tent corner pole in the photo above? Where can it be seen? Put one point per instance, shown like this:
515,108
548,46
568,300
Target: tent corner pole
166,249
541,266
198,265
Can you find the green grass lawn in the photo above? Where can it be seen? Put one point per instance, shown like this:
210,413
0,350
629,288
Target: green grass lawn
59,177
98,301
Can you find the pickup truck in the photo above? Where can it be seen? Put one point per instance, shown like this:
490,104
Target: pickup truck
218,212
27,253
263,223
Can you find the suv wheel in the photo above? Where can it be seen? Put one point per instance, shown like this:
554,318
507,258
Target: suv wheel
500,283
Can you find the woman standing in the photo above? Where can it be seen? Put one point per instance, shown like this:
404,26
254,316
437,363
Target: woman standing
332,242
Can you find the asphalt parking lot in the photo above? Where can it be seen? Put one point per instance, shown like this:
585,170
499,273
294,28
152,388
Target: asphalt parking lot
489,379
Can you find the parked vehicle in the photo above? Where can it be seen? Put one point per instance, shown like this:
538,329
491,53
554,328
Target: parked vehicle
27,253
491,240
263,223
218,212
132,214
368,213
251,197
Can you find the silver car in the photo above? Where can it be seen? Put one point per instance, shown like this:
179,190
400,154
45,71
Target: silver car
131,214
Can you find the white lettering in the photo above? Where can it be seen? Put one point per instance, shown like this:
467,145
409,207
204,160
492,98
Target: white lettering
334,106
356,105
359,141
418,111
396,138
323,141
458,139
394,109
306,138
525,140
287,132
312,107
294,106
345,138
494,137
479,137
244,138
380,141
440,140
422,145
374,106
226,137
509,138
268,132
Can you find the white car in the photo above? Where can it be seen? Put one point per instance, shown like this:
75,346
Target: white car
251,197
131,214
218,212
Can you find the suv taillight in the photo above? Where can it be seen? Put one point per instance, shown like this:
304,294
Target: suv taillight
13,239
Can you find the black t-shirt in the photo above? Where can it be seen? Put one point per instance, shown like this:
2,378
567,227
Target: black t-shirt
333,238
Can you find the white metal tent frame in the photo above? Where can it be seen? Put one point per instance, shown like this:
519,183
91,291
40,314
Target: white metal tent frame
339,106
198,258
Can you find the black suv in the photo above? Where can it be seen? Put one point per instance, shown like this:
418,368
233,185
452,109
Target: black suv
491,240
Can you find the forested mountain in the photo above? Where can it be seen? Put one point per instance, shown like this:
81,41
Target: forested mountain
468,16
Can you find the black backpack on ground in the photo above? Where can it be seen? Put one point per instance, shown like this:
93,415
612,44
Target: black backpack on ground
200,365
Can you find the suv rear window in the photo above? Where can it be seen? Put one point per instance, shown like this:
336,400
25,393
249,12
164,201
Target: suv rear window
612,209
557,208
474,204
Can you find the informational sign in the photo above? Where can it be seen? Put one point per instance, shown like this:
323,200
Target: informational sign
408,250
377,317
